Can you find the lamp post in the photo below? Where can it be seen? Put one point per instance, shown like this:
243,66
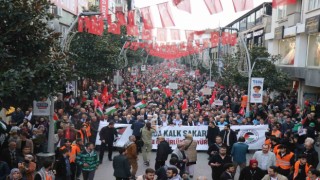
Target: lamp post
250,69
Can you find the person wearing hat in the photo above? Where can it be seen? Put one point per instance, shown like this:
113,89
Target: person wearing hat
15,174
163,152
284,160
311,130
251,172
191,153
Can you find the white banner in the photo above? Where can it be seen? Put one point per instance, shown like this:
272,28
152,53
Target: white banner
256,94
254,135
173,85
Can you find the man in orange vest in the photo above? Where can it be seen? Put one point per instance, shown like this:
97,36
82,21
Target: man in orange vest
284,160
301,168
75,150
84,133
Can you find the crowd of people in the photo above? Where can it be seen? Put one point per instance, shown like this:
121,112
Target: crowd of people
288,152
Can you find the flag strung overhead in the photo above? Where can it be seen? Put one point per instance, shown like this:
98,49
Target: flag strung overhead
242,5
165,15
276,3
214,6
184,5
147,18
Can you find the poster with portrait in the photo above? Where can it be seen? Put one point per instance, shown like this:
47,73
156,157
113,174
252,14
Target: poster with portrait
256,94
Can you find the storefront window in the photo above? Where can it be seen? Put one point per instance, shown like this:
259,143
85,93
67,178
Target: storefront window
287,49
314,50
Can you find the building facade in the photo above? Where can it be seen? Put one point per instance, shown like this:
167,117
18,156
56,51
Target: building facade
295,36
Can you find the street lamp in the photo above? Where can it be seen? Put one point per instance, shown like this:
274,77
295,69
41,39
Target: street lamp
250,70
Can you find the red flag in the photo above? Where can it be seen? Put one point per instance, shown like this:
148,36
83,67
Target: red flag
55,116
126,45
198,106
121,19
184,105
132,30
233,39
114,28
184,5
165,15
146,34
87,24
131,18
109,19
175,34
214,6
147,18
189,35
225,38
161,34
168,92
100,26
242,5
104,9
93,29
176,2
276,3
80,24
214,39
241,112
213,97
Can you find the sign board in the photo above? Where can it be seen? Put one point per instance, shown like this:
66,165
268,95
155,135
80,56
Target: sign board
206,91
143,67
211,83
256,91
173,85
312,24
218,103
278,32
41,108
117,80
175,134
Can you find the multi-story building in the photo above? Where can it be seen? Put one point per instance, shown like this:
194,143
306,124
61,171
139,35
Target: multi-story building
295,36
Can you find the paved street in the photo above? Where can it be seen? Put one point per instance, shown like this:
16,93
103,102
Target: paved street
105,170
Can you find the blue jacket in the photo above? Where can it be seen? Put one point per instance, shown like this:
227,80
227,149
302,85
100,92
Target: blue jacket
136,126
239,151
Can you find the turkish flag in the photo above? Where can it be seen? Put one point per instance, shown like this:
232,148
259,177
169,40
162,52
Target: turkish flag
225,38
184,5
176,2
87,24
161,34
94,27
134,46
109,19
242,5
132,30
80,24
184,105
214,6
126,45
165,15
206,43
189,35
175,34
121,19
233,39
131,18
147,18
214,39
114,28
146,34
100,26
276,3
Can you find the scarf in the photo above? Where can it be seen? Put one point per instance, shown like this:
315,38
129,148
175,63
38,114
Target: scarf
178,153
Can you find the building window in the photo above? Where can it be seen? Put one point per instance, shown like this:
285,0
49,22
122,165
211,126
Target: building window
287,49
314,50
243,24
313,4
250,20
282,12
259,16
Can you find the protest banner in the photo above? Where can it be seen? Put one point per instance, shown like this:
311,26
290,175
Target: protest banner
173,85
254,135
256,90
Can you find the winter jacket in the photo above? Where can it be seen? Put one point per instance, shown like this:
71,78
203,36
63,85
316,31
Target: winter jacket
90,158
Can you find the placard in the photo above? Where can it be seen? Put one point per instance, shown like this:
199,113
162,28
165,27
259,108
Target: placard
143,67
218,103
256,92
206,91
173,85
211,83
41,108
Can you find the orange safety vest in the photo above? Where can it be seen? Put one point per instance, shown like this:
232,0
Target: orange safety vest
267,142
277,133
275,149
75,150
244,100
284,162
296,169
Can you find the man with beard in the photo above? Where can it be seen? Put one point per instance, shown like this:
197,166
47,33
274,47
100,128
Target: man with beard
251,172
213,132
214,148
229,137
172,174
218,161
149,175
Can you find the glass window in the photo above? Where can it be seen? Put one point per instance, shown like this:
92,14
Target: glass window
287,49
250,20
313,4
314,50
243,24
282,12
259,15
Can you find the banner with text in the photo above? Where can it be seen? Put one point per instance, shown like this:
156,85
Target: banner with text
256,90
254,135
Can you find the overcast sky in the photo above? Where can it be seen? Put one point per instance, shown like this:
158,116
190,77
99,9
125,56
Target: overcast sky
200,18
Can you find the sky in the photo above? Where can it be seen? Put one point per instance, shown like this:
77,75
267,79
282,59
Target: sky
200,18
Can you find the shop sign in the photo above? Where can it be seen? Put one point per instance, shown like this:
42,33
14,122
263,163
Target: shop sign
312,24
278,32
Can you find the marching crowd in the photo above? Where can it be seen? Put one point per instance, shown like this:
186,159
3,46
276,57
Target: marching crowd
145,102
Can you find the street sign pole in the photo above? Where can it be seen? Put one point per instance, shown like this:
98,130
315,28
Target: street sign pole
51,127
118,80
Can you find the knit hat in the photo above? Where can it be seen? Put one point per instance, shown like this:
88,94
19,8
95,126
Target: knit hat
252,161
312,124
14,170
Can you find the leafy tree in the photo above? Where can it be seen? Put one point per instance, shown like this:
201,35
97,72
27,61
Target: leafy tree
32,65
273,78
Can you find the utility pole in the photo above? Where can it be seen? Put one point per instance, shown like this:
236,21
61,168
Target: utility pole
51,127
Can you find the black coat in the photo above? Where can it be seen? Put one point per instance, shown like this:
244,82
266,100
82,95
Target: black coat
232,137
248,173
212,133
61,167
6,157
121,166
226,176
163,151
312,157
108,134
218,170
